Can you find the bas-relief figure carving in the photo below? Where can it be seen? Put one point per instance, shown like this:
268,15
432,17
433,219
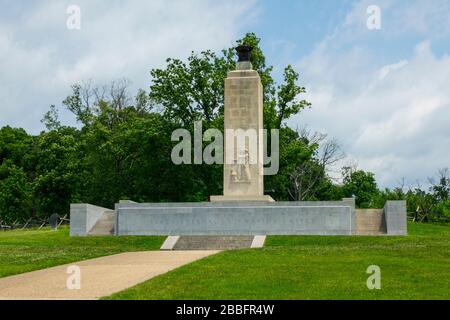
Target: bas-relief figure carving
240,172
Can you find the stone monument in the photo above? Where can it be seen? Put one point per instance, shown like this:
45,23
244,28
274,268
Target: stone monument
243,172
243,215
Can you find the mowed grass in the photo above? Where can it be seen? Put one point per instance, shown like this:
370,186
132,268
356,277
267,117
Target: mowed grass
304,267
28,250
313,267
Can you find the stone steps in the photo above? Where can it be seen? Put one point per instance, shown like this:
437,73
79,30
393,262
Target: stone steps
105,225
370,222
213,242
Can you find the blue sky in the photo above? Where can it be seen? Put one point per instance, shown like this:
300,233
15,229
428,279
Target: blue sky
382,93
297,26
290,30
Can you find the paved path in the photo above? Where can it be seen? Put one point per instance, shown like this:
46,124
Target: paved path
99,277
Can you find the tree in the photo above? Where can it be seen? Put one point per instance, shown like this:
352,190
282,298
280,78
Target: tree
51,119
308,160
441,188
422,204
129,160
88,101
380,198
193,90
190,91
361,185
122,150
288,92
56,183
15,193
280,103
440,192
15,145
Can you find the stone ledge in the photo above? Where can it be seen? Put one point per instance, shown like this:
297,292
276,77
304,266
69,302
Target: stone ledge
83,217
235,220
264,198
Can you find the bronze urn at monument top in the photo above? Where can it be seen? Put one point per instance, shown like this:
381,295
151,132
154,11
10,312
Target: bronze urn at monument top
243,174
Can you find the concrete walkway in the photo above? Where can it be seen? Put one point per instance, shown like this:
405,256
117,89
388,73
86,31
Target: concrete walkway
99,277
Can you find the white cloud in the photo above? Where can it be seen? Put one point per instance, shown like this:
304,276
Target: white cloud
424,17
40,58
386,70
389,107
392,118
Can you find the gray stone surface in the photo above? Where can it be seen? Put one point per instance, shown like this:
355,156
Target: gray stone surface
343,203
243,173
170,243
395,216
351,202
213,242
244,65
258,242
234,219
105,225
370,222
83,217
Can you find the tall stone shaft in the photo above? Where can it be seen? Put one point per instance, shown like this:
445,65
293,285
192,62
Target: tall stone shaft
243,176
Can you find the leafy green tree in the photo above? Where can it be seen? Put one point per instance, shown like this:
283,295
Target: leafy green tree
442,209
15,193
194,90
51,119
380,198
441,189
280,102
56,183
295,155
15,145
122,150
421,203
362,186
288,104
128,160
190,91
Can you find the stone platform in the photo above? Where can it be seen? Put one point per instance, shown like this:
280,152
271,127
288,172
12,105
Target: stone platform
263,198
236,218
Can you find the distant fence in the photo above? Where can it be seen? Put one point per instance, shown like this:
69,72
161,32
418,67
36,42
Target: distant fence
32,223
431,218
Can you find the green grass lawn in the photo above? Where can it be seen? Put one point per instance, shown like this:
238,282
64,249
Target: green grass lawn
28,250
313,267
308,267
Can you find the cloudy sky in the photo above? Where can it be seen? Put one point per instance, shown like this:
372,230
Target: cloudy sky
384,94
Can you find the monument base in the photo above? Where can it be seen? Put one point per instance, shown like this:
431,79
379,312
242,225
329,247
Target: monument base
264,198
236,218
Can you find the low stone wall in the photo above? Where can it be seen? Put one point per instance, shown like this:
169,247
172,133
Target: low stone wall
280,218
83,217
395,216
370,222
235,218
